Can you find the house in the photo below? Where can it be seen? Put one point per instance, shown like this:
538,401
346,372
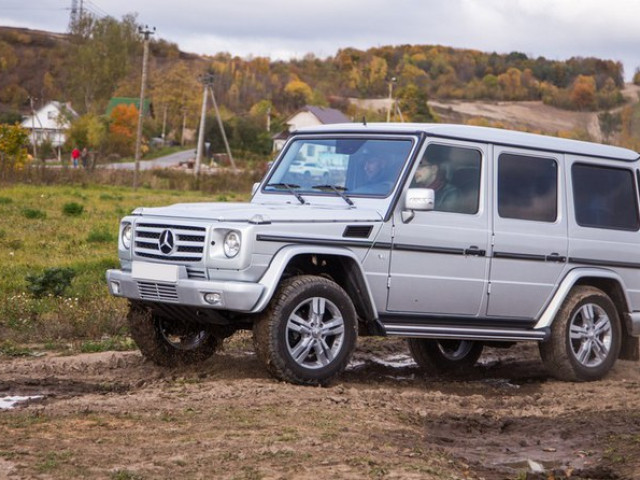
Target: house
50,123
115,101
308,116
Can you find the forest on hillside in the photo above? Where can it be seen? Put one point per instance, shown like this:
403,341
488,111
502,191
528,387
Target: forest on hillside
101,58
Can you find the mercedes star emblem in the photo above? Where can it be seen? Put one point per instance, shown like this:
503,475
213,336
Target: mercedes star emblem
166,242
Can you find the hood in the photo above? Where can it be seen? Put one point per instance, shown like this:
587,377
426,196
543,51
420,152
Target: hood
262,213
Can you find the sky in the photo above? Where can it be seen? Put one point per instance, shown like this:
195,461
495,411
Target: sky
285,29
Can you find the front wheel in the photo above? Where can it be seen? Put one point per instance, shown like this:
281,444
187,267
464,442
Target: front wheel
308,333
170,342
585,337
444,356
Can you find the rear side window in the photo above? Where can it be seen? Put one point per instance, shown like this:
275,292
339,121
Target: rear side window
527,187
604,197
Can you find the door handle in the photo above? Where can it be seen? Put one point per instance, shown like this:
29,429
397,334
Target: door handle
555,257
473,250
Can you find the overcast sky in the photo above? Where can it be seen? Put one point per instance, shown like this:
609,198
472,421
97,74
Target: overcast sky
282,29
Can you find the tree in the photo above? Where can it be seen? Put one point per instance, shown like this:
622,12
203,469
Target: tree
414,106
122,129
583,93
13,150
100,55
177,93
298,94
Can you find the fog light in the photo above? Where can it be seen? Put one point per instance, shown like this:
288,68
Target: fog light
115,288
213,298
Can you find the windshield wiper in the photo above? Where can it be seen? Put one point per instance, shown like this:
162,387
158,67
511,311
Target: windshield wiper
291,187
337,189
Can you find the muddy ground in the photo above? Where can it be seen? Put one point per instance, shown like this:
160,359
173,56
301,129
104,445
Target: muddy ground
114,415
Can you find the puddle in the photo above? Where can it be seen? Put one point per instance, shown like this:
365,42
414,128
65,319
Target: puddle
7,403
392,361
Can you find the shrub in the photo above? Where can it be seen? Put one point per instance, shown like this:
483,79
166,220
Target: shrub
52,281
101,235
5,200
72,209
33,214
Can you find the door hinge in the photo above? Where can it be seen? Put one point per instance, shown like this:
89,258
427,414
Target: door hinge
388,283
489,288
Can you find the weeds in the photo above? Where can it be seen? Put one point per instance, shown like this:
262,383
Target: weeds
33,214
72,209
53,281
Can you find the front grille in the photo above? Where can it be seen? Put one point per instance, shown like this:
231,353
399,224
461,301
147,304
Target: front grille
157,291
187,242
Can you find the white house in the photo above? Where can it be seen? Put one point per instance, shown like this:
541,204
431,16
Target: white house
308,116
50,123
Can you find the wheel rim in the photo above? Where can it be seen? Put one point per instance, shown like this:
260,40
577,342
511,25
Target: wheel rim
315,333
182,337
590,335
455,349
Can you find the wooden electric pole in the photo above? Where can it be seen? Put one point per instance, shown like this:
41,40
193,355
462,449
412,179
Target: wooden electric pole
146,32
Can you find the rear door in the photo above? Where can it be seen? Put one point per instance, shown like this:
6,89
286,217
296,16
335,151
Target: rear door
530,245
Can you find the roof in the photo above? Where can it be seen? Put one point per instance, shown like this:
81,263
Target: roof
115,101
484,134
52,116
327,115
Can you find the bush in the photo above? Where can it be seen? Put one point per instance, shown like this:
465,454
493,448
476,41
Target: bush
33,214
52,281
72,209
102,235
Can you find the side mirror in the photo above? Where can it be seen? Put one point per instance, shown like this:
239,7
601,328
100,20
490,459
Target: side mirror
255,188
421,199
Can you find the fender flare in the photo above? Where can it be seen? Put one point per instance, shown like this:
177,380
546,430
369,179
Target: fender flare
271,278
569,281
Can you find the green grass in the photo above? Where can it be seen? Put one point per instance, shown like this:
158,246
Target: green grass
86,242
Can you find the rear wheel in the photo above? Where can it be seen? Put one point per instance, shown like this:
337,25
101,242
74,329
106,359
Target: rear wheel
170,342
308,333
585,337
444,356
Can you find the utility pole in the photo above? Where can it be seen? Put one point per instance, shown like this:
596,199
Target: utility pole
391,82
147,32
33,129
207,82
203,116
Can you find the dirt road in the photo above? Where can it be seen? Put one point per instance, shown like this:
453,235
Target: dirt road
115,416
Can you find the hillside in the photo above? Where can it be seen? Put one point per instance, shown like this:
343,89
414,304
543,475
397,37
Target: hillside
101,59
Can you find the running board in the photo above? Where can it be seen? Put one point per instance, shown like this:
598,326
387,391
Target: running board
465,333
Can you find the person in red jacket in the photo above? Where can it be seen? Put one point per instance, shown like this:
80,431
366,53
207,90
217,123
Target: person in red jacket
75,155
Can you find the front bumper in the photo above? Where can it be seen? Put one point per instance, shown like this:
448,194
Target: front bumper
232,296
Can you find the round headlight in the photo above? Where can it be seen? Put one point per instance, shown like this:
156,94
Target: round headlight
232,244
126,236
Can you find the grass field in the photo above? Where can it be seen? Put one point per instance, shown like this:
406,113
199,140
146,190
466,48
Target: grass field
55,228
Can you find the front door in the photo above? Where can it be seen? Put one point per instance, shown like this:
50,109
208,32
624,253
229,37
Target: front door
439,262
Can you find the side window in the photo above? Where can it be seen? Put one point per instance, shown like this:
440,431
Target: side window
527,187
454,174
604,197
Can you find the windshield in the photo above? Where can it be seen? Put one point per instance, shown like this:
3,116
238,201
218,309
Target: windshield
352,166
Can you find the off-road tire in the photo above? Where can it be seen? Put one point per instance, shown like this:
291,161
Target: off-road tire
437,357
151,333
275,335
559,351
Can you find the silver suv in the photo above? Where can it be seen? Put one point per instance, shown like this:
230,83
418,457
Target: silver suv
454,237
